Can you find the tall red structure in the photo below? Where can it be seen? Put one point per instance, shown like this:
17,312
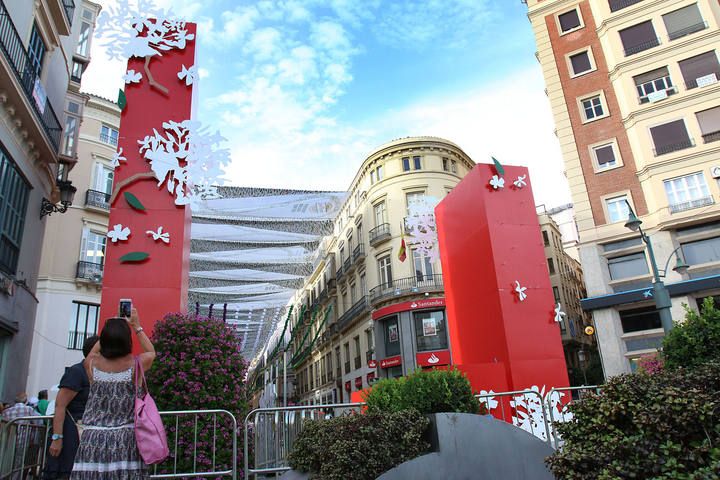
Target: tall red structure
158,284
492,255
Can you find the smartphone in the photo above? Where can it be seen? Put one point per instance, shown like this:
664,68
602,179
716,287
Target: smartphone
125,307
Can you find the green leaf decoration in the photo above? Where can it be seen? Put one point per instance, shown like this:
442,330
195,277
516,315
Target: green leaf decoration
498,167
122,100
133,257
133,201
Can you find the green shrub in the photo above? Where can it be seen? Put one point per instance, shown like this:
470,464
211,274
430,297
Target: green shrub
696,340
427,391
359,447
661,426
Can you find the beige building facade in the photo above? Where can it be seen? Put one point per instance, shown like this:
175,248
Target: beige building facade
71,269
634,90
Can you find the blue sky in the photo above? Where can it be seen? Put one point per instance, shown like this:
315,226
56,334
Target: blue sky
304,89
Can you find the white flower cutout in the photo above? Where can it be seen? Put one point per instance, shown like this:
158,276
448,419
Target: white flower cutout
188,74
520,291
132,77
520,182
159,235
497,182
559,313
648,293
118,233
489,400
117,158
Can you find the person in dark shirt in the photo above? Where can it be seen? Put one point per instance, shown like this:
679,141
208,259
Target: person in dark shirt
69,410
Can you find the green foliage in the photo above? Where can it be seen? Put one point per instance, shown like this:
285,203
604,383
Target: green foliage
359,447
662,426
696,340
427,391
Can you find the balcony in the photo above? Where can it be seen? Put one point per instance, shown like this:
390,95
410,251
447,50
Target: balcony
339,274
331,286
711,137
94,198
18,61
407,286
89,271
358,254
674,147
641,47
616,5
358,362
688,31
689,205
359,308
109,139
348,266
379,234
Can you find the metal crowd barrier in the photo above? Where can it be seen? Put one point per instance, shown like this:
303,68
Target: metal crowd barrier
274,431
203,443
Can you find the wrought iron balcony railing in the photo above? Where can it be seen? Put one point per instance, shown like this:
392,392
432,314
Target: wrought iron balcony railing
109,139
687,30
94,198
15,54
616,5
360,307
358,253
674,147
691,204
641,47
711,137
90,271
379,233
407,286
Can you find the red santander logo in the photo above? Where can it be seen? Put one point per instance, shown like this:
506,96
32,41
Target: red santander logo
432,359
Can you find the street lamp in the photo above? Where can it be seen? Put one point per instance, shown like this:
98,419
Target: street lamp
661,296
67,193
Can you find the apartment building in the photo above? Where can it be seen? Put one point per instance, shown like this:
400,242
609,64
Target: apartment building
37,106
633,86
359,274
71,268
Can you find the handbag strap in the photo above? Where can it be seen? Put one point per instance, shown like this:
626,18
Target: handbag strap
139,374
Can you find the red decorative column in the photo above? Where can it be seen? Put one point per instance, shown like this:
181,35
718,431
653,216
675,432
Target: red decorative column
158,284
489,239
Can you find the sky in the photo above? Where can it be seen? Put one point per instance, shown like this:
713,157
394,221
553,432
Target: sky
304,90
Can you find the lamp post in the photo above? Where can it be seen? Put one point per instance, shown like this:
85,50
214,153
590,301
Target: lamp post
661,296
67,193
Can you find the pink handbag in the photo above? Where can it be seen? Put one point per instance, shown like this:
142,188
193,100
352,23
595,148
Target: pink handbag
149,430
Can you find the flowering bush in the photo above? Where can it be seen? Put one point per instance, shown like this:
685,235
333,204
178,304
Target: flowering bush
650,364
198,367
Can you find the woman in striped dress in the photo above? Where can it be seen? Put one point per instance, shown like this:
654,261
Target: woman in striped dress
108,450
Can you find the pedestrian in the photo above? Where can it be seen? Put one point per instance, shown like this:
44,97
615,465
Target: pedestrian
108,449
26,441
42,404
19,409
72,396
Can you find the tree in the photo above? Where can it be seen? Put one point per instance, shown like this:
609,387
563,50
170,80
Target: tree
198,367
695,341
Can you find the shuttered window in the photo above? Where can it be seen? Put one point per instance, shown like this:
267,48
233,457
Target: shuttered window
670,137
569,20
14,193
709,121
638,38
684,21
704,67
580,63
653,82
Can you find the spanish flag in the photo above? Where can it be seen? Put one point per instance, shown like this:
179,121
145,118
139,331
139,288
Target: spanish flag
402,254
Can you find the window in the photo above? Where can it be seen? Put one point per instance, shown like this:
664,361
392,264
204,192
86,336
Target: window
83,324
633,265
385,270
395,372
655,85
709,121
14,192
36,50
358,361
83,40
445,164
391,334
604,156
453,166
338,367
617,209
639,38
109,135
359,233
592,108
77,71
93,248
569,21
685,192
363,285
380,214
581,63
670,137
69,136
430,330
353,294
87,14
700,70
379,173
640,319
423,266
312,376
702,251
551,266
556,294
416,163
346,347
370,339
684,21
372,176
406,164
413,198
546,240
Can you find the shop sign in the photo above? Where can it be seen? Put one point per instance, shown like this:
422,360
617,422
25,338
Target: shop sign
432,359
358,383
372,363
370,377
391,362
348,386
433,302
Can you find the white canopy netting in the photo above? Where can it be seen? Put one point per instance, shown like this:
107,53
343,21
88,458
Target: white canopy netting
251,250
